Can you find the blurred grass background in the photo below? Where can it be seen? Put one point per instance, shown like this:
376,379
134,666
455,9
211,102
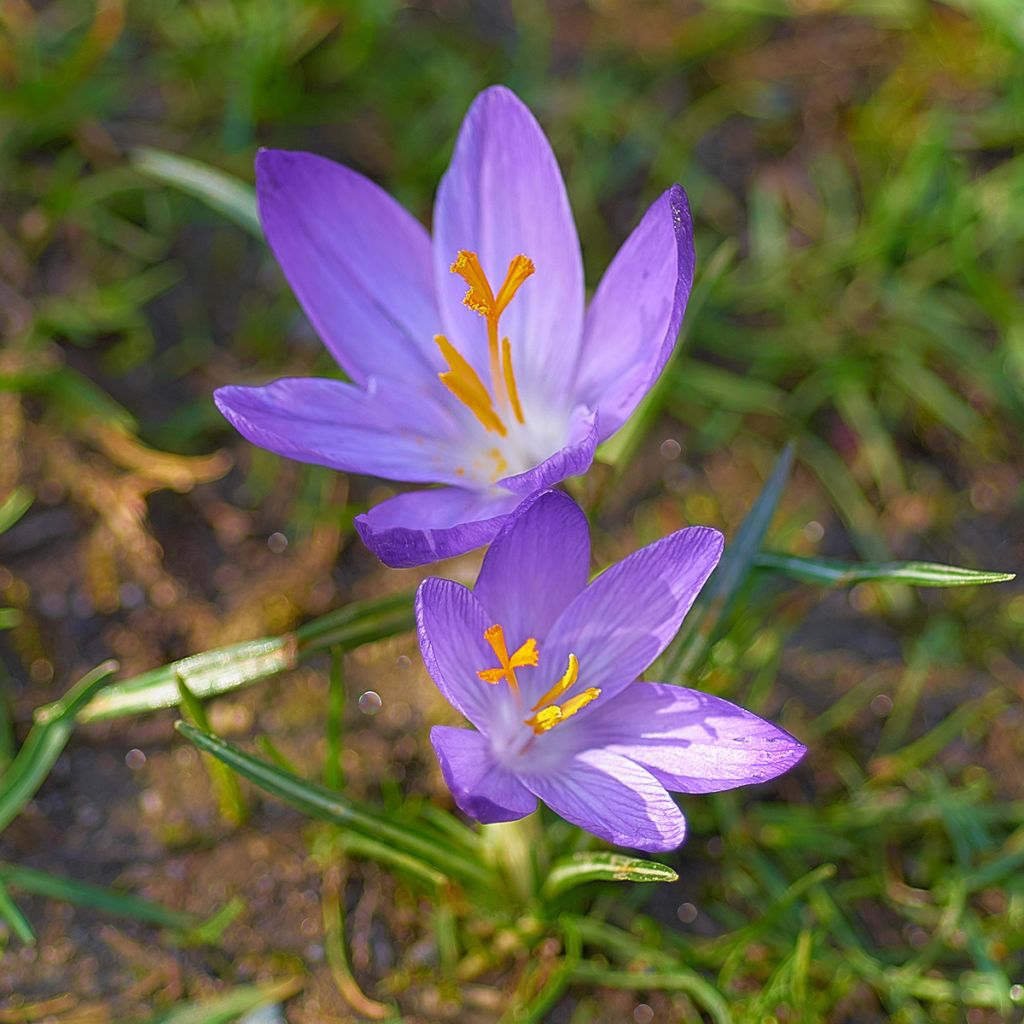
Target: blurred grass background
857,179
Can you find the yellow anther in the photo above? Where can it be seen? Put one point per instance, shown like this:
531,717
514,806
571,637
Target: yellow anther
569,677
510,380
465,384
525,656
548,714
547,718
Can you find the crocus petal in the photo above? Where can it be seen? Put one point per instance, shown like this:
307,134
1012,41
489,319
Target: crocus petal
573,459
389,429
634,317
628,615
503,196
536,565
690,741
616,799
359,264
481,788
426,526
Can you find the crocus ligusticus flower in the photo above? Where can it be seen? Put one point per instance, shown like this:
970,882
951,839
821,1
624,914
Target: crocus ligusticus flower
545,666
472,362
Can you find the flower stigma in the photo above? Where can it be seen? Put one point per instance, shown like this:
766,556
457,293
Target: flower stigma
526,655
546,713
460,378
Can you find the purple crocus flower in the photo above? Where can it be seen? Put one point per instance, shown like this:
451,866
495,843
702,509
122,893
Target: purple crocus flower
545,666
472,362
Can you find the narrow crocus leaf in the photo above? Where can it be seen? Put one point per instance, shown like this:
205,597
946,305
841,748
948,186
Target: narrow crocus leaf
233,198
96,897
579,868
206,675
14,506
711,607
679,980
318,802
230,1005
224,669
15,918
831,572
357,623
230,801
47,738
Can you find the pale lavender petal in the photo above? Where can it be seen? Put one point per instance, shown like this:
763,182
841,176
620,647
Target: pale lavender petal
359,264
502,196
634,317
572,460
481,788
425,526
628,615
389,429
450,624
616,799
690,741
536,565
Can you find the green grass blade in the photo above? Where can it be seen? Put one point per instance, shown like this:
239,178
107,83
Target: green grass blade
568,872
834,573
373,849
333,775
206,675
551,992
678,980
230,800
14,506
10,618
688,648
15,918
95,897
317,802
230,668
47,738
358,623
222,192
229,1006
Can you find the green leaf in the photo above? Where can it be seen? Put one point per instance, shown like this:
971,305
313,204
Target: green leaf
358,623
685,652
96,897
679,980
206,675
14,506
832,572
47,738
222,192
579,868
15,918
318,802
229,668
230,801
10,618
229,1006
